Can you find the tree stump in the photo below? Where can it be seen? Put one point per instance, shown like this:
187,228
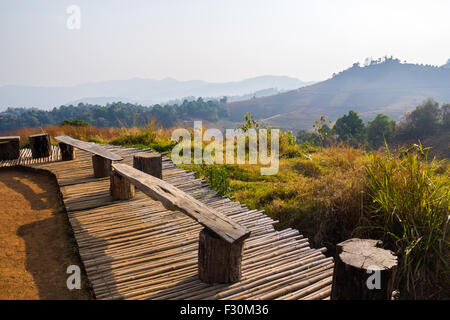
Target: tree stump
363,271
150,163
67,151
40,145
218,260
101,166
120,188
9,148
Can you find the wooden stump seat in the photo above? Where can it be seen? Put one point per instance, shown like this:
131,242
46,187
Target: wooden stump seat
9,147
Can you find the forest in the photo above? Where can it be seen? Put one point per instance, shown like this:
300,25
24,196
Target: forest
115,115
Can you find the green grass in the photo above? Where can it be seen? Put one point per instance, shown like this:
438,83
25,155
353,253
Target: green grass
409,211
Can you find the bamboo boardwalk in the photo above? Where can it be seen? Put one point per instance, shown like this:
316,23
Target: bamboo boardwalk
136,249
26,159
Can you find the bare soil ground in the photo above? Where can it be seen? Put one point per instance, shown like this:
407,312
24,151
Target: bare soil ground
36,244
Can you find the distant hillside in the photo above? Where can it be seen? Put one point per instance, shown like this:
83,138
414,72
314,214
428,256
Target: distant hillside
143,91
387,87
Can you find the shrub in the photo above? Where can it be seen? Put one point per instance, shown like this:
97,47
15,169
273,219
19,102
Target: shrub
75,123
217,177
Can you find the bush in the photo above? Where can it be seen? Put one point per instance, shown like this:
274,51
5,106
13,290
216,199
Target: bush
217,177
75,123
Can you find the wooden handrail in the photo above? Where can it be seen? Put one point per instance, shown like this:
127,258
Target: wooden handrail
89,147
175,199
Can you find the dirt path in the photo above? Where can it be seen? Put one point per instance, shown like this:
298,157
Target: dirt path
36,245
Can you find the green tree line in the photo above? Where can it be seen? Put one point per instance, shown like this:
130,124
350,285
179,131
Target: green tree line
427,119
116,114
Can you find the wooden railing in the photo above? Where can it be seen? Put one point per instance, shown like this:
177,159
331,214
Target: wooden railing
101,159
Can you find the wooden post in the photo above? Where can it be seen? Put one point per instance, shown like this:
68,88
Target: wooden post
40,145
120,188
150,163
102,166
363,271
9,148
67,151
219,261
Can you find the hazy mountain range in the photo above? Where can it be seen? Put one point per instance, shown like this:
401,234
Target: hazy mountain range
143,91
382,86
387,86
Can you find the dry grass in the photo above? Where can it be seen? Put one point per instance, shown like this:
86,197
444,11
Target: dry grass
88,133
343,192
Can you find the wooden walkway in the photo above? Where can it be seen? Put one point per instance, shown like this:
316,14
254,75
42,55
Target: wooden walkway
26,159
136,249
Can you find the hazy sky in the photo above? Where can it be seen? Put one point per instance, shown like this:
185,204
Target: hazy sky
213,40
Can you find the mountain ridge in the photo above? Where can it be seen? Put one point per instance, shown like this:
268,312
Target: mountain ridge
143,91
387,87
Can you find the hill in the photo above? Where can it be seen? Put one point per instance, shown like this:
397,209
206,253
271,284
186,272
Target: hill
385,86
143,91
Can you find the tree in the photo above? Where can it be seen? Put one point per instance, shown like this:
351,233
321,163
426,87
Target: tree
424,120
380,128
303,136
350,128
445,109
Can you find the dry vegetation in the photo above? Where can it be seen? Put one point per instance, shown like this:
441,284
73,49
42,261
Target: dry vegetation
335,193
331,194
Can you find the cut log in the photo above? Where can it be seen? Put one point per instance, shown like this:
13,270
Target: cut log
67,151
218,260
175,199
40,145
89,147
363,271
9,147
150,163
120,188
101,166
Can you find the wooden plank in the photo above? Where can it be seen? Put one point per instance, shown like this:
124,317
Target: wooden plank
174,199
90,147
8,138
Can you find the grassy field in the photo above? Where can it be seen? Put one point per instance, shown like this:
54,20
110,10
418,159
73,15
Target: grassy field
332,194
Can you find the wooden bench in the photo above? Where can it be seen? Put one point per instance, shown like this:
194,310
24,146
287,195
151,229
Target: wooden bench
9,147
101,160
221,242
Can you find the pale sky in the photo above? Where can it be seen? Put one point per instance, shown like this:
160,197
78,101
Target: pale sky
213,40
